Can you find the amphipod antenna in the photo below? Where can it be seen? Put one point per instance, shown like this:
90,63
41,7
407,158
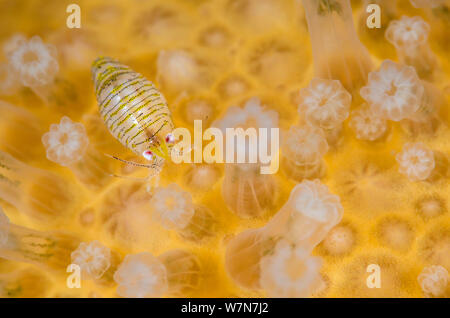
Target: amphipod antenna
155,167
136,164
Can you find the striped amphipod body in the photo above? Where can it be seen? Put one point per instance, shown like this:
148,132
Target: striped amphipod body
134,111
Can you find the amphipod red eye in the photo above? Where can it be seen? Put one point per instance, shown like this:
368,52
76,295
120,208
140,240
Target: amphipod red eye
148,155
170,139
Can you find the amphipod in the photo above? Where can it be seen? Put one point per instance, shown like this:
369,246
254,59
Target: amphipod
134,111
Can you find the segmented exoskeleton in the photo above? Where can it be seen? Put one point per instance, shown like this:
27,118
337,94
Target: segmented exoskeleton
134,111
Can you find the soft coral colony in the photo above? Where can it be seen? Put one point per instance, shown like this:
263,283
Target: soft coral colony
151,242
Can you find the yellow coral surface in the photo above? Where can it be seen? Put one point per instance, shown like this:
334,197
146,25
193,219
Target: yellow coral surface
240,49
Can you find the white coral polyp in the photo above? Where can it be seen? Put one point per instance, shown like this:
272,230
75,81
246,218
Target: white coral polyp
141,275
12,43
324,103
252,115
314,200
172,207
305,144
93,258
394,91
34,62
66,142
416,161
290,272
9,82
178,68
434,280
367,125
408,33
